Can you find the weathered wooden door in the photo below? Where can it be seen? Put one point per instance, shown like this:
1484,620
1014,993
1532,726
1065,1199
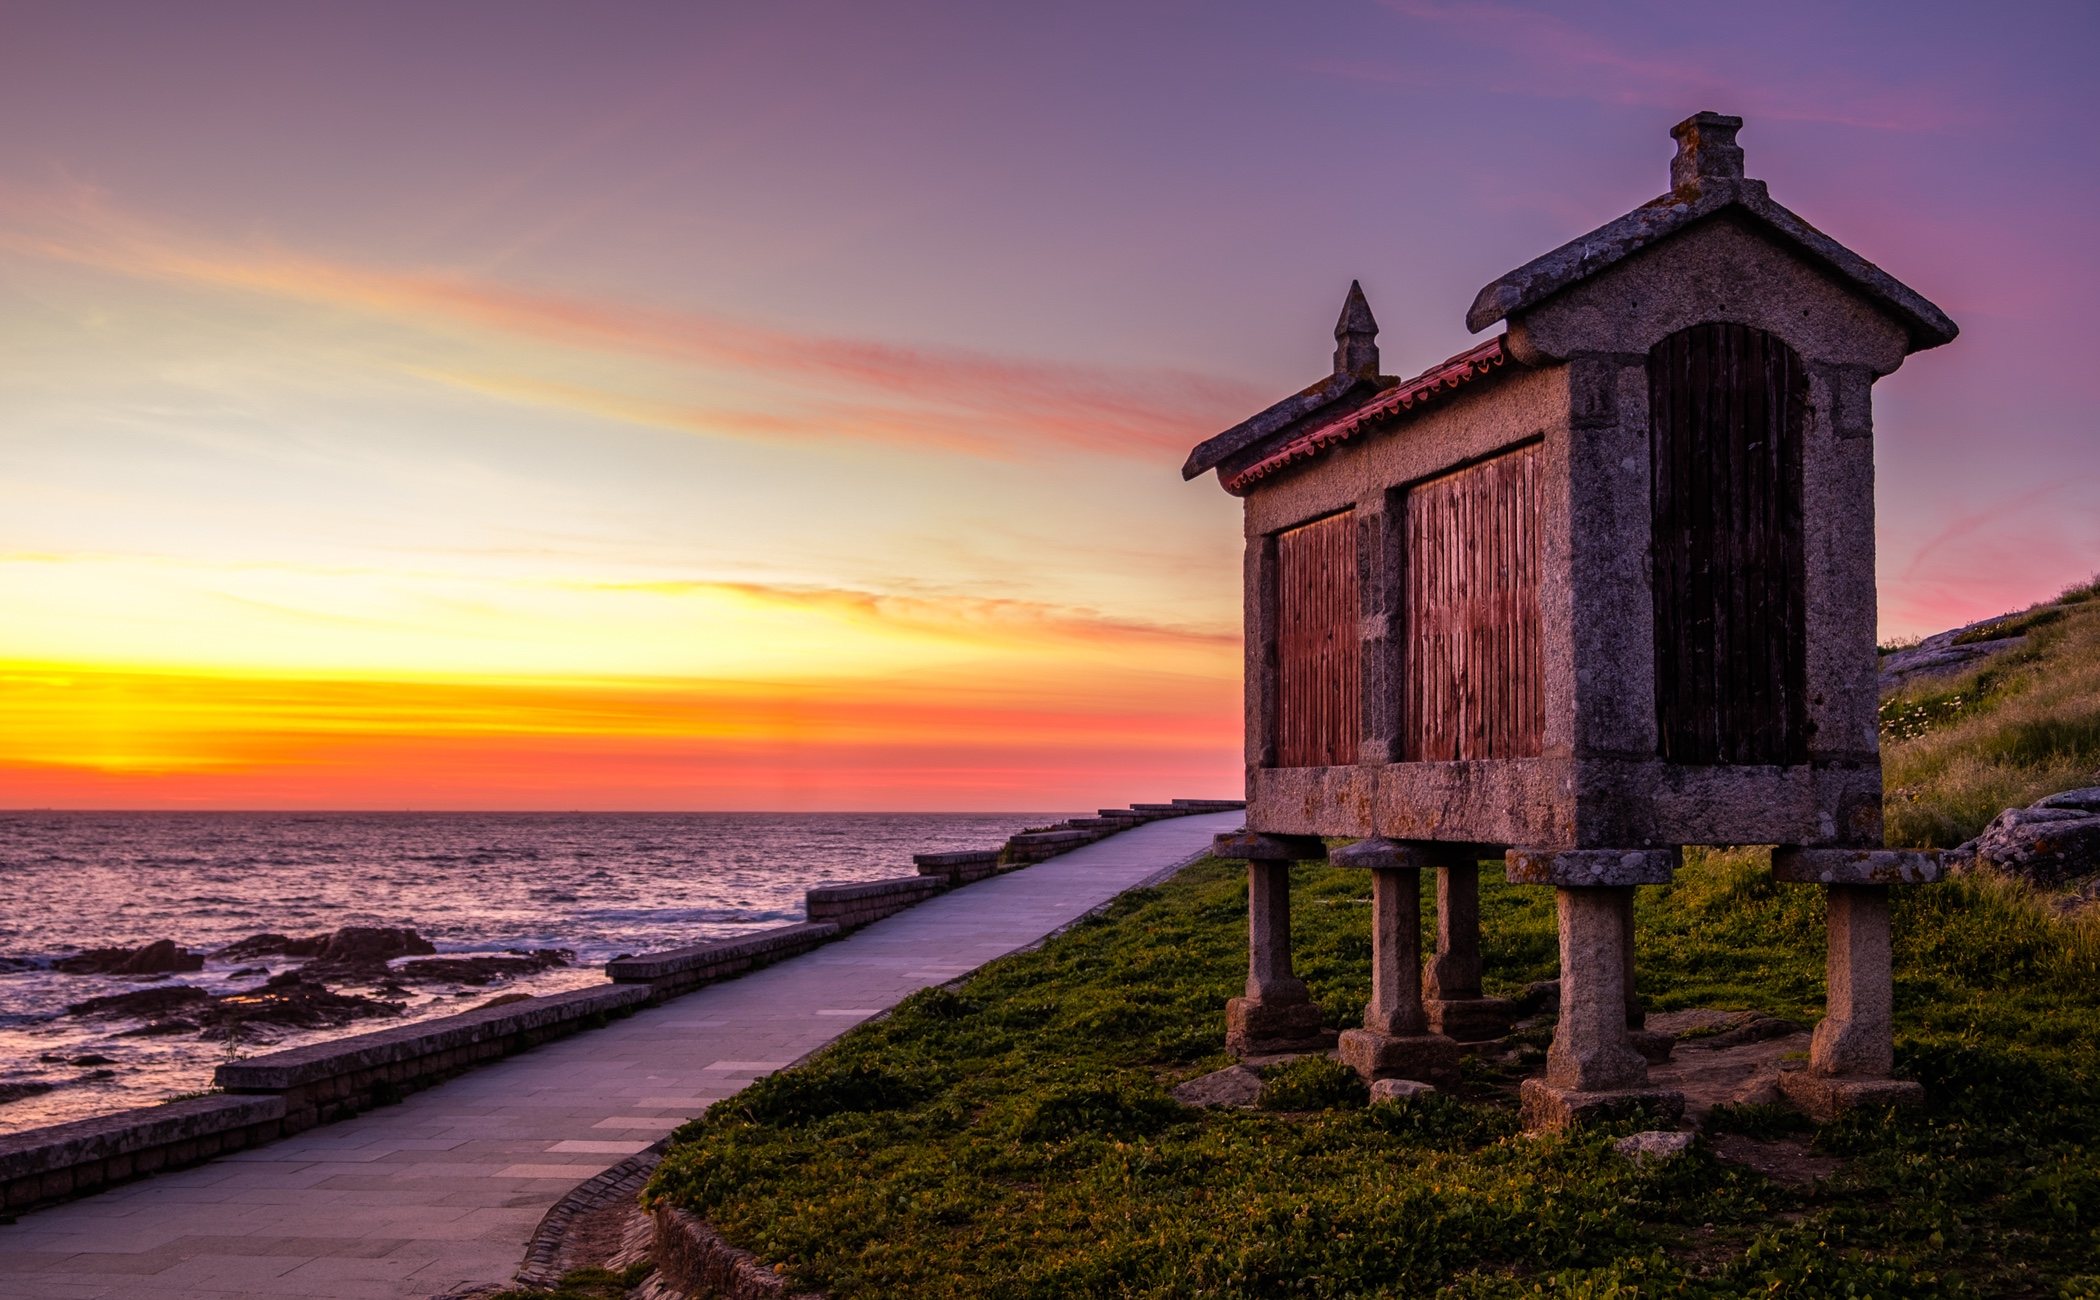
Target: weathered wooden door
1726,407
1319,645
1474,684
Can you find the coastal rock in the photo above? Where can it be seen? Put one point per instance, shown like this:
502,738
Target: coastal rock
26,1088
353,944
144,1002
289,1001
481,970
161,957
2055,840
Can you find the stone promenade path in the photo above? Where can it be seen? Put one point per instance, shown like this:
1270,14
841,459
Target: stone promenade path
443,1190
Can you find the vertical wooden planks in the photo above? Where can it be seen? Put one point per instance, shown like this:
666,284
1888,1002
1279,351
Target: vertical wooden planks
1727,405
1319,633
1473,676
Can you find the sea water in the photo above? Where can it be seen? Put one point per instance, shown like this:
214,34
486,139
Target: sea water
599,884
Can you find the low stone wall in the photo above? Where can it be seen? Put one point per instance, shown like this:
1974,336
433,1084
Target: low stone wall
851,906
62,1161
334,1080
692,1260
279,1093
960,868
681,970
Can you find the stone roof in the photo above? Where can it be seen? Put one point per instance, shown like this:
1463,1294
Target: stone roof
1706,178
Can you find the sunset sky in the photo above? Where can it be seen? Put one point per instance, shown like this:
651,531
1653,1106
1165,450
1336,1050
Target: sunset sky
695,405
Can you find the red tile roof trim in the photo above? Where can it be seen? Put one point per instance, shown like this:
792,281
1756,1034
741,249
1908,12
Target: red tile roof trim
1459,371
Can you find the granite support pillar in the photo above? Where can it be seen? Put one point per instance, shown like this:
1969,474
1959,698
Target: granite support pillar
1593,1071
1277,1015
1853,1051
1453,999
1395,1041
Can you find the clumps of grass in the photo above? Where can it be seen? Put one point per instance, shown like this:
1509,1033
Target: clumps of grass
1958,752
1031,1150
584,1284
2082,592
1311,1083
2011,625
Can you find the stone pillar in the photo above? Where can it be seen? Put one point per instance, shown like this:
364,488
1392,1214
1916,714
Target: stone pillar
1854,1048
1277,1015
1591,1070
1454,1002
1395,1041
1655,1047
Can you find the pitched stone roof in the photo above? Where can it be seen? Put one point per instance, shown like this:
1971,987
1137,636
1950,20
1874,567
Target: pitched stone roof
1706,178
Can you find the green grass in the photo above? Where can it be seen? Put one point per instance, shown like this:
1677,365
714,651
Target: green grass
1955,752
1015,1137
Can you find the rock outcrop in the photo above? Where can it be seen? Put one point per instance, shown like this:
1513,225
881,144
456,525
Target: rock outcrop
2047,843
353,944
161,957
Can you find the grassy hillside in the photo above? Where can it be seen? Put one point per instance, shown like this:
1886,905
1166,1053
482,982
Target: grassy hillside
2025,724
1015,1138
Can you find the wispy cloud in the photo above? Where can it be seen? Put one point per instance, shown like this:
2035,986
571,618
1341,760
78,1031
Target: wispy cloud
821,386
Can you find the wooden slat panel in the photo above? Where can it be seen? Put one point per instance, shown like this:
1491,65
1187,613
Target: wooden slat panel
1726,408
1473,675
1318,645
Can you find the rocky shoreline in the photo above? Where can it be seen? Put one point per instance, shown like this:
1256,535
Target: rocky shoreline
270,989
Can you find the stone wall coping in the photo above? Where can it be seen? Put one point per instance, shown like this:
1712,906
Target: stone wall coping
657,965
959,858
282,1071
858,890
84,1141
1043,839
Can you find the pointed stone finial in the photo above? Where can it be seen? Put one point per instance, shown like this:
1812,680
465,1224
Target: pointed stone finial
1356,336
1706,151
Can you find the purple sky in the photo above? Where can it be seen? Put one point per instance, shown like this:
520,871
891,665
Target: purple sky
911,301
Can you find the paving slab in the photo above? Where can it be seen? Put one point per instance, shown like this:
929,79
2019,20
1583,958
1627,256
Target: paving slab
465,1170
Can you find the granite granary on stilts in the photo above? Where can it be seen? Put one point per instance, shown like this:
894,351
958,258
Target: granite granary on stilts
1596,589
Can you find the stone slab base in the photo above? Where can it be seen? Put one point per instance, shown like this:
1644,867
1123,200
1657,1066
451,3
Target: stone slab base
1426,1058
1471,1020
1548,1107
1255,1028
1653,1045
1825,1099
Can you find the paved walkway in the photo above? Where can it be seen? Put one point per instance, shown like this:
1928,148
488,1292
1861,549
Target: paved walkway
442,1191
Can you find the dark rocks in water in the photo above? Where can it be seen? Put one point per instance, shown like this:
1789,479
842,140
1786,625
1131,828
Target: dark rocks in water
349,945
157,958
16,965
27,1088
2047,843
481,970
289,1002
247,972
96,1076
143,1002
359,943
257,945
93,1058
158,1029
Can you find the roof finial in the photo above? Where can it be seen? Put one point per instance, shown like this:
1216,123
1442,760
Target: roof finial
1356,337
1706,151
